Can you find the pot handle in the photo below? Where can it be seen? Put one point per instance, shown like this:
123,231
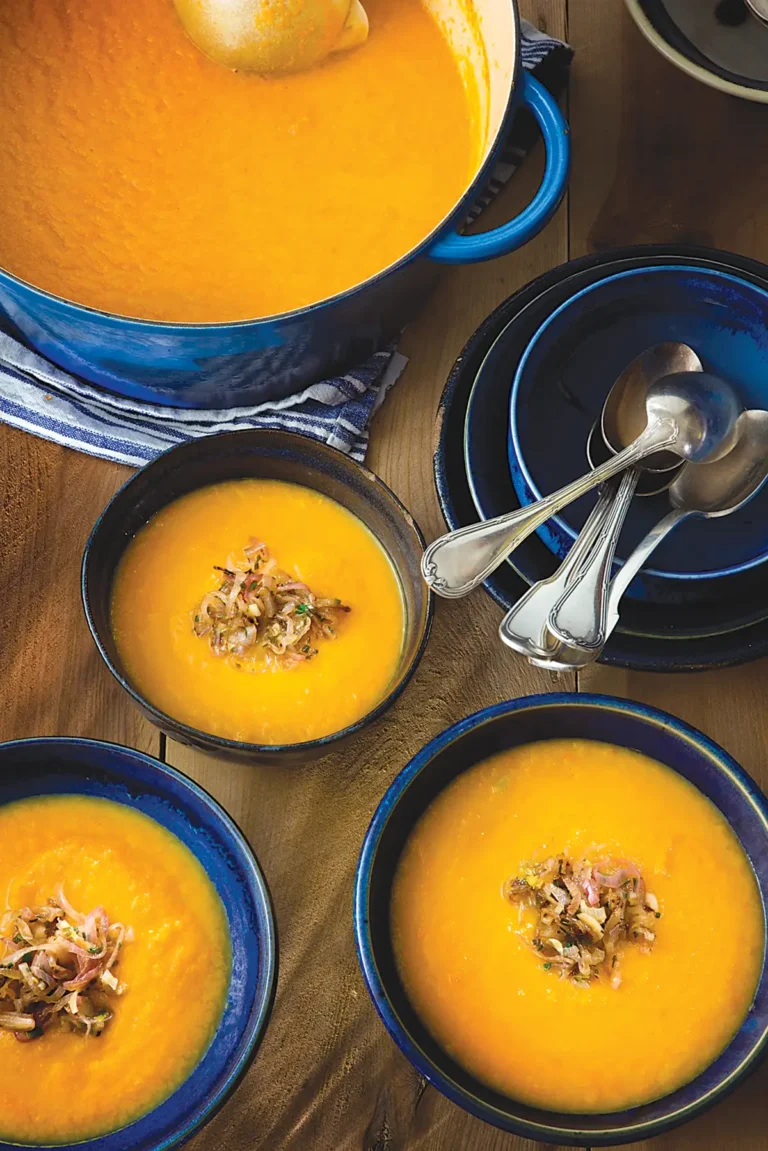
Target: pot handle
458,249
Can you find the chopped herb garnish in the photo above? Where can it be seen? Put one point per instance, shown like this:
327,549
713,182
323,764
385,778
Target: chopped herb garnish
585,913
64,974
259,606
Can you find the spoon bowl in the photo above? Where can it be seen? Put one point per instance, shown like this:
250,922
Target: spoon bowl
729,482
704,410
259,36
624,417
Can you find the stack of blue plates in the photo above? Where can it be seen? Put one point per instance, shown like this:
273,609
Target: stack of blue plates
487,464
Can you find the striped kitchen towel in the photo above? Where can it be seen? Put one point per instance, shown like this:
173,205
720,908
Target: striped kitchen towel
48,402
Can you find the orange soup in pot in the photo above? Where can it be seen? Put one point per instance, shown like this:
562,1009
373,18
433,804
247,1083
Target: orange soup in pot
141,178
578,926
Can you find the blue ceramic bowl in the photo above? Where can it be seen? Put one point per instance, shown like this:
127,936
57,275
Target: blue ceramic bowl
569,367
60,766
523,721
472,437
264,454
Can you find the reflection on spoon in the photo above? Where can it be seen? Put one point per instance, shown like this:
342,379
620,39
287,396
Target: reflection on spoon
266,36
692,414
707,490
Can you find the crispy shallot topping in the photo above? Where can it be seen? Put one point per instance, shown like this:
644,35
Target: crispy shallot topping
58,968
585,914
260,606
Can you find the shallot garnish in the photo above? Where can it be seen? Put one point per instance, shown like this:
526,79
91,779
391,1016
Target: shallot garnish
58,968
585,913
259,606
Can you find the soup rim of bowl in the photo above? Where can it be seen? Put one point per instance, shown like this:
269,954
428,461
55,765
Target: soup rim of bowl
311,748
388,1012
515,447
203,1112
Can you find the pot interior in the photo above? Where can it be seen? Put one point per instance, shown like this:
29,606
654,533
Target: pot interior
483,37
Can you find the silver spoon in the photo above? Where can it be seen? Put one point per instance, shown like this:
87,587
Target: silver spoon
708,490
264,37
524,627
580,616
575,596
691,414
649,483
623,417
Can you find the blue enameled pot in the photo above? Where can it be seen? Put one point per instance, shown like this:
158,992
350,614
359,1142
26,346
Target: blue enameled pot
232,364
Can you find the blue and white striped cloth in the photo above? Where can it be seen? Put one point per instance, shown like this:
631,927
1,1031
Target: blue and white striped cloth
48,402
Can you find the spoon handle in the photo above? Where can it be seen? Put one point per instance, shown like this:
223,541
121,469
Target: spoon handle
564,653
458,562
579,617
524,627
637,559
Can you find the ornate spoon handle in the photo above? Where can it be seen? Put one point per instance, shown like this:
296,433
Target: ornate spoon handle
458,562
579,619
524,627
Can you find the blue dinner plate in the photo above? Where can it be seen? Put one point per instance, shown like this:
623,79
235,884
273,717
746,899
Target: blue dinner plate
570,365
59,766
649,638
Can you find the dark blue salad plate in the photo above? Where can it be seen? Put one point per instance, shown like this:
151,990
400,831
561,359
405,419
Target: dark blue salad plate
60,766
650,637
568,369
468,742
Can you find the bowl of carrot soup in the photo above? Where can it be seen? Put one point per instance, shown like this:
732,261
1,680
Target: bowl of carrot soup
560,917
137,949
258,594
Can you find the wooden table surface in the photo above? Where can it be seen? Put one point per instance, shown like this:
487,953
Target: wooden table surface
656,157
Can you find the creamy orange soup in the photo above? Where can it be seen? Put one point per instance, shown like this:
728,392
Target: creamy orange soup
139,177
168,568
464,951
65,1087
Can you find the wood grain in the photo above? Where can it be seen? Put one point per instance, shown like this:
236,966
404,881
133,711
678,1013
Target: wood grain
672,160
52,680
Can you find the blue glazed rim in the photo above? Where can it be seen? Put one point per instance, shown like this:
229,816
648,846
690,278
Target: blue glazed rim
516,454
249,1042
196,737
622,1132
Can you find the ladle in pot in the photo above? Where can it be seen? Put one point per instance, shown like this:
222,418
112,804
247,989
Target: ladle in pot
265,36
